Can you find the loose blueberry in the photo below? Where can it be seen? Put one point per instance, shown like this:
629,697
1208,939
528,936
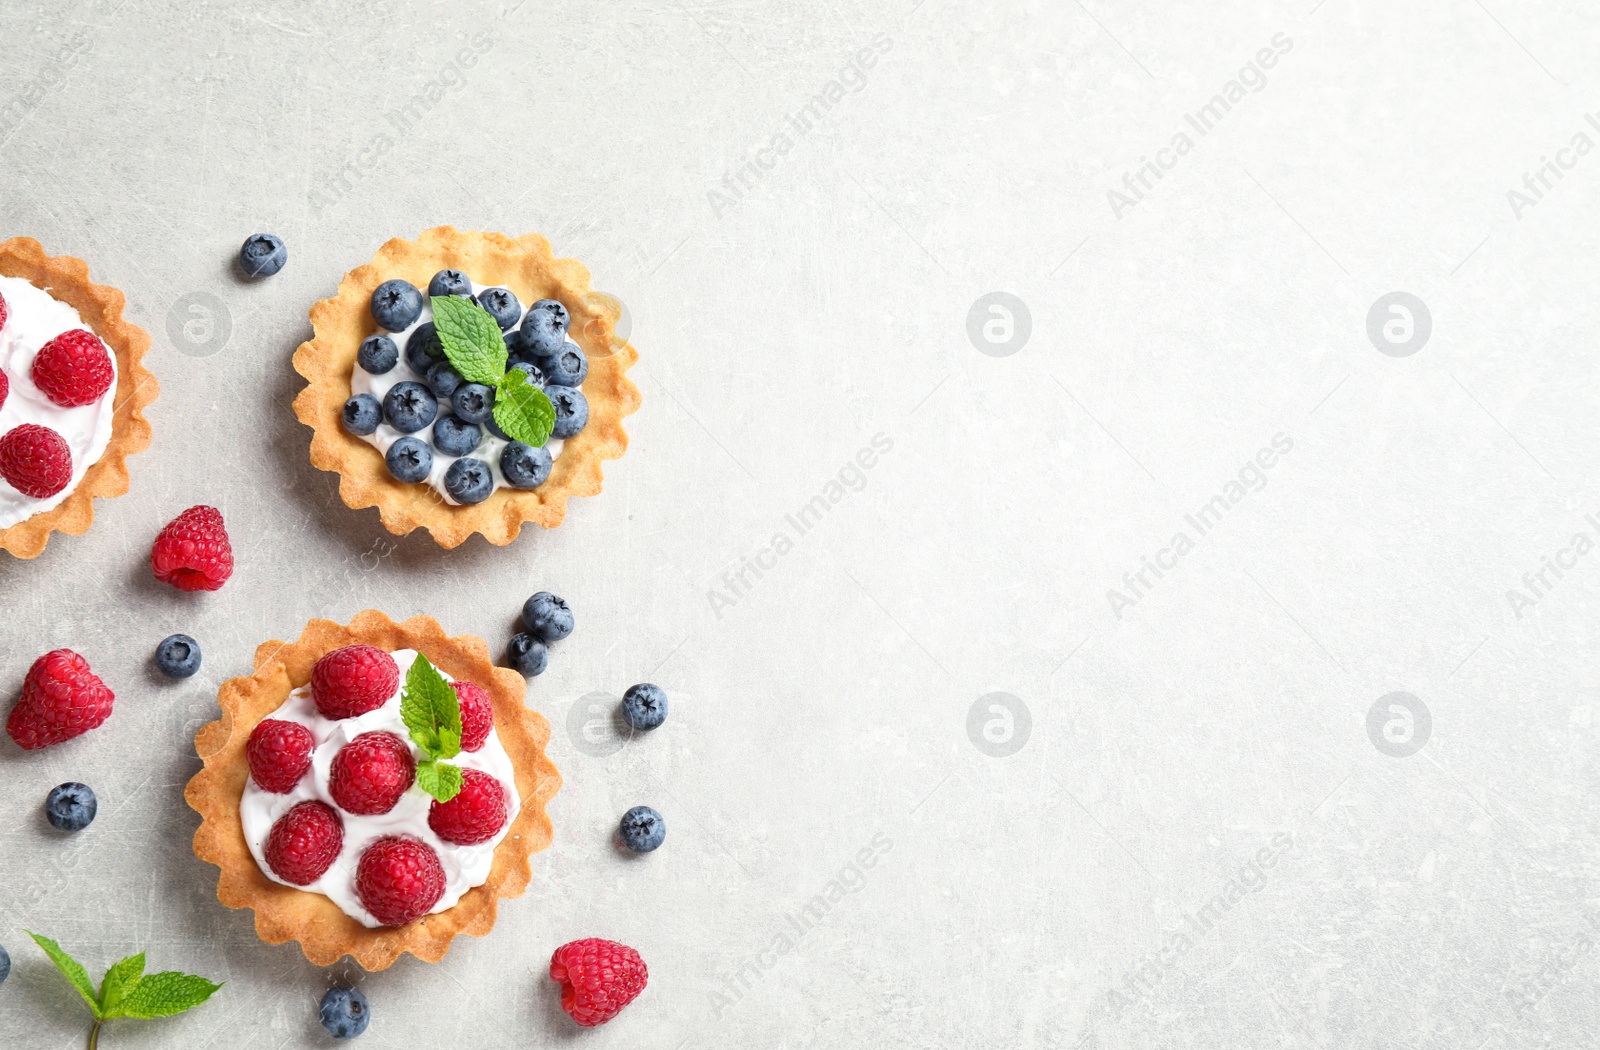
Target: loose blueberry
469,481
455,438
409,459
345,1013
362,414
396,304
644,706
378,355
524,466
567,367
535,376
572,410
474,402
70,807
5,965
450,282
262,255
423,349
178,656
502,306
527,655
411,406
643,829
444,380
547,617
544,328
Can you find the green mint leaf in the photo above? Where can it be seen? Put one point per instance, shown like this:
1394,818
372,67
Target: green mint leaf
439,779
431,710
119,981
449,741
165,994
71,969
470,337
523,410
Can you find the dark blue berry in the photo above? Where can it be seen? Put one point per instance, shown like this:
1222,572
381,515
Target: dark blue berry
547,617
644,706
643,829
469,481
572,410
527,655
5,965
262,255
535,376
345,1012
178,656
378,355
444,380
544,328
450,282
423,349
455,438
524,466
501,305
396,304
362,414
411,406
567,367
494,428
70,807
474,402
409,459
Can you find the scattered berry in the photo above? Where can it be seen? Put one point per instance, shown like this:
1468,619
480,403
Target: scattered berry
353,680
524,466
370,773
193,552
61,699
378,355
74,369
644,706
35,460
345,1013
279,753
477,715
566,367
5,956
450,282
544,328
572,410
547,617
396,304
361,415
501,305
527,655
262,255
423,349
455,438
475,815
444,380
473,402
409,459
643,829
178,656
409,407
597,978
304,843
469,481
70,807
399,880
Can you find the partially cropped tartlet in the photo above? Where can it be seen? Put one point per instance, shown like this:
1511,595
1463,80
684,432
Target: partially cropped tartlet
466,382
372,790
73,391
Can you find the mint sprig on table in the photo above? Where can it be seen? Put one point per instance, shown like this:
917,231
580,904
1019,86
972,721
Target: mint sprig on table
475,347
125,991
432,713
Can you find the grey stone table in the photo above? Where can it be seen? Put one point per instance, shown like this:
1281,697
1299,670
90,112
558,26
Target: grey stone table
1113,506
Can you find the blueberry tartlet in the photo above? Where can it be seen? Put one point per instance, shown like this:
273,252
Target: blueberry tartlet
466,382
72,396
373,790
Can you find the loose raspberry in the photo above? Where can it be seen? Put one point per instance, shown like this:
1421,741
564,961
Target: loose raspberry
61,699
598,978
477,715
193,553
304,843
279,754
35,460
74,369
475,815
353,680
399,880
370,773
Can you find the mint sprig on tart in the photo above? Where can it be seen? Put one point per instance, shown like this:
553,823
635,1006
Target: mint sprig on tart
432,714
476,348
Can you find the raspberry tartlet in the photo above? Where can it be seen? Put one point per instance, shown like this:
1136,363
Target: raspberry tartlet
373,790
417,430
72,396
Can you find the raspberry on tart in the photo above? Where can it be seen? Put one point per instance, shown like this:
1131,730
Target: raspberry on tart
399,880
475,815
370,773
35,460
5,385
477,715
279,754
304,843
353,680
73,369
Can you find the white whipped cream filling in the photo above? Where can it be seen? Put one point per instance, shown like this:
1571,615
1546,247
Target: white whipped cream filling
364,382
465,867
34,319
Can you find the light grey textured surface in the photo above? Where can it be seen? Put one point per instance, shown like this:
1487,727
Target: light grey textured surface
1197,842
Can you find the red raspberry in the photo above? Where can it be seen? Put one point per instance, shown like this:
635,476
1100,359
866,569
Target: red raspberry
475,815
193,552
304,843
477,715
5,380
370,773
4,311
61,699
598,978
353,680
35,460
399,880
279,754
73,369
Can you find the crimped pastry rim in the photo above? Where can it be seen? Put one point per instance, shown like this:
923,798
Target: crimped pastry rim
526,266
66,278
283,913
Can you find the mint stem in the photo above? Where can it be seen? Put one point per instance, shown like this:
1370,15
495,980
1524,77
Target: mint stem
94,1035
